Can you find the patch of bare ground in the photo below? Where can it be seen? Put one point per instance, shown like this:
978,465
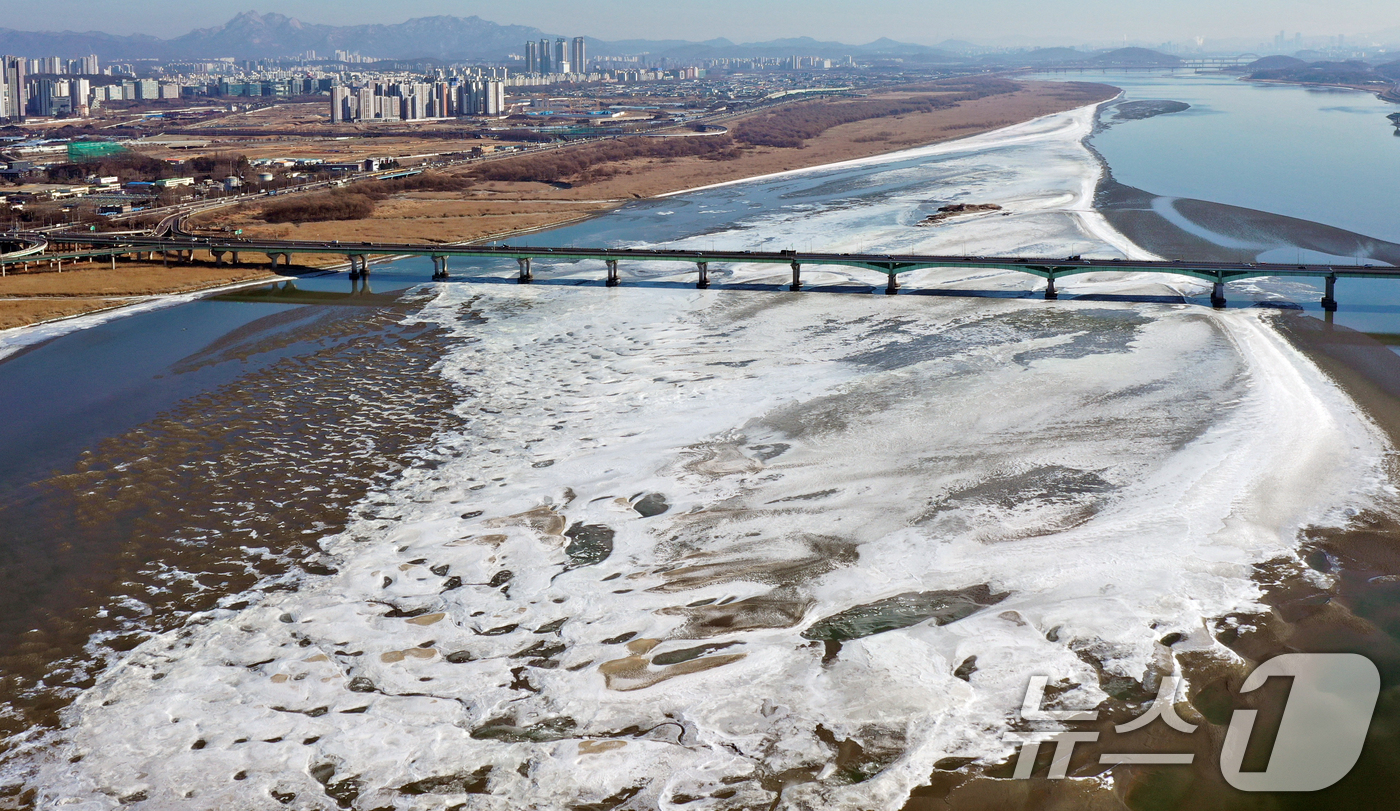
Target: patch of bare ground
35,297
128,280
24,312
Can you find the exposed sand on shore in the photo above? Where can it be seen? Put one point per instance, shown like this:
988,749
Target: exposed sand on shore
24,312
33,298
127,280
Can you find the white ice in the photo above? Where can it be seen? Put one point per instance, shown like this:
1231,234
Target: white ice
1181,447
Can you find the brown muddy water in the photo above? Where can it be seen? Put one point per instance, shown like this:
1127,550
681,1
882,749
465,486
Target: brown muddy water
299,411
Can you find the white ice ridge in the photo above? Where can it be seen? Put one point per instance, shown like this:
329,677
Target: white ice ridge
1110,473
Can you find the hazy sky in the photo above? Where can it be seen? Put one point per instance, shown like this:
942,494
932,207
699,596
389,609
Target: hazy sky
854,21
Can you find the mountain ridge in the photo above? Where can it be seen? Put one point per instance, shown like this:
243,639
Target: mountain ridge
251,35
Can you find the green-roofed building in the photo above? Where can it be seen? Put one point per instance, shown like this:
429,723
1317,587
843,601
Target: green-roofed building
80,151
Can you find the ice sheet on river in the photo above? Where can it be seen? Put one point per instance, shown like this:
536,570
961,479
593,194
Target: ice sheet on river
694,542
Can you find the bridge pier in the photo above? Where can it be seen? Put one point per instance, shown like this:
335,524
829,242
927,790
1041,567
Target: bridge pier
1217,296
893,287
704,282
613,280
234,261
526,275
1329,299
796,277
439,268
1051,294
355,262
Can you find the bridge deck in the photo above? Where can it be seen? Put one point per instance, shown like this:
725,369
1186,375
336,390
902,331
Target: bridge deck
891,264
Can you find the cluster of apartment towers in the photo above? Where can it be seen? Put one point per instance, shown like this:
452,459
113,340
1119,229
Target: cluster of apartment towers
32,86
477,94
561,56
415,101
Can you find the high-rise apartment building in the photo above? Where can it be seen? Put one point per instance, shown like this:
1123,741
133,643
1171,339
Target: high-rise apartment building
546,62
578,57
561,56
79,90
51,98
481,97
13,88
340,105
532,57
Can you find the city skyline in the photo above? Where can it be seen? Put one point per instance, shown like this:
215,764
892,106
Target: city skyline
1004,23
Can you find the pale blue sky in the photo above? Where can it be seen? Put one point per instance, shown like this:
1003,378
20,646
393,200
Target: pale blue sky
854,21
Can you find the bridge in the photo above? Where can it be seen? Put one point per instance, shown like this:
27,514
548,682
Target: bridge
88,245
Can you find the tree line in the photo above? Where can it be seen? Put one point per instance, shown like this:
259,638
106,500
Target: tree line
355,203
586,164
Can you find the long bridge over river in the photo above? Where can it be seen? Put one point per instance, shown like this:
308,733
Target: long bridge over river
78,246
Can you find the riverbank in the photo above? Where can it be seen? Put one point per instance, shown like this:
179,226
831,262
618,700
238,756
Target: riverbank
31,299
497,209
1389,94
1337,590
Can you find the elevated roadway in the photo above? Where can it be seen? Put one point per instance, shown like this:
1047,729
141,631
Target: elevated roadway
85,244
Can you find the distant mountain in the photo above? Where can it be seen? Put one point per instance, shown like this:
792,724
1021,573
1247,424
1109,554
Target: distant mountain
772,49
71,44
1136,57
258,36
1351,72
251,35
1274,63
1390,70
1042,56
958,46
